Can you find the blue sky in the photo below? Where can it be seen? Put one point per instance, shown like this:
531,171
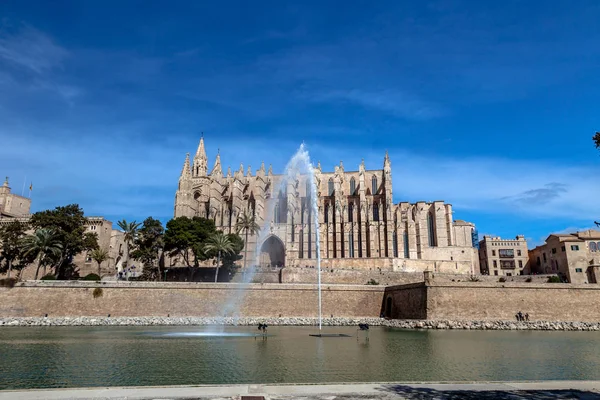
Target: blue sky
490,106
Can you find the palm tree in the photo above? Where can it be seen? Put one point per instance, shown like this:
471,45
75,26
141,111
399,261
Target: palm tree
99,255
44,246
247,223
130,229
219,243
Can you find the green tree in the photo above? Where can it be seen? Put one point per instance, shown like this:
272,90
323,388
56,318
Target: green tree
69,225
148,245
218,243
229,260
99,255
11,236
247,223
130,229
45,246
186,237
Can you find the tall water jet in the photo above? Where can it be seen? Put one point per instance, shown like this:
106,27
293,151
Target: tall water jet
299,166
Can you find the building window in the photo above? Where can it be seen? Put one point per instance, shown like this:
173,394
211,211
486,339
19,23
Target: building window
495,264
563,248
308,188
493,252
294,231
350,212
406,249
395,243
431,230
575,247
554,250
88,258
330,187
519,253
352,186
538,261
592,246
351,245
520,263
544,255
578,270
326,216
375,212
495,272
374,185
276,216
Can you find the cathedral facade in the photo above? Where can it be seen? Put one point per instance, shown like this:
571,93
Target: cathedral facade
360,226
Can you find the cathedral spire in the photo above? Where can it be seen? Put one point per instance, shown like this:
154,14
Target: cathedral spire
270,170
249,173
185,171
200,160
229,172
217,169
386,159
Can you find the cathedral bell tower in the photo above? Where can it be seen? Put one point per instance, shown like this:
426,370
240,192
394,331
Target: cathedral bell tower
200,167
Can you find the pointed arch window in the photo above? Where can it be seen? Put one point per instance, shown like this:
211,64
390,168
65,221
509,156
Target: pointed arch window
352,186
308,188
330,187
395,243
375,212
431,230
406,249
276,216
374,185
326,215
351,212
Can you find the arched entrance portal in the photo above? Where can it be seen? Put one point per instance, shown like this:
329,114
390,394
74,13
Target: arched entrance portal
272,253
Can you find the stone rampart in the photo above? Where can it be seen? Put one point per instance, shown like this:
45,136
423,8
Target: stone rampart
493,301
76,298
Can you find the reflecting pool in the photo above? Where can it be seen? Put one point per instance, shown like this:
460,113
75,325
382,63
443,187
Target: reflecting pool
41,357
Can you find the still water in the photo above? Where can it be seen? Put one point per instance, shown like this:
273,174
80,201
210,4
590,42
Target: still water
135,356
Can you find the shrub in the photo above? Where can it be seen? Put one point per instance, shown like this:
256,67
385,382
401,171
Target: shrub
502,279
97,292
372,282
528,279
474,278
554,279
8,282
91,277
48,277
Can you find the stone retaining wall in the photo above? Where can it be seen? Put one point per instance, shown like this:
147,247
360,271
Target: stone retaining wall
132,299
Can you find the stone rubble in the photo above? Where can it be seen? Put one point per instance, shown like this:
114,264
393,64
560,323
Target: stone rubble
299,321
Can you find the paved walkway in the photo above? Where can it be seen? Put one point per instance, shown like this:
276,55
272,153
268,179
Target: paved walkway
385,391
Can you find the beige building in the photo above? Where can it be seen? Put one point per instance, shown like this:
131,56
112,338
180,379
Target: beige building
359,225
575,257
503,257
17,207
12,205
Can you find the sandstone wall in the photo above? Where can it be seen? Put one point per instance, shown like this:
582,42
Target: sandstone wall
72,298
494,301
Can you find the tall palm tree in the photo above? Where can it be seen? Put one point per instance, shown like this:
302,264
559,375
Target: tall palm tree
44,246
219,243
246,223
130,229
99,255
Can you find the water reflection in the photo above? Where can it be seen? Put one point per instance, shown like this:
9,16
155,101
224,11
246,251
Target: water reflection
125,356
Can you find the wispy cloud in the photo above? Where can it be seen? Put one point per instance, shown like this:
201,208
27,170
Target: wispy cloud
30,49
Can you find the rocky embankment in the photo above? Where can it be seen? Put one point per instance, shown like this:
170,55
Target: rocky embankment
299,321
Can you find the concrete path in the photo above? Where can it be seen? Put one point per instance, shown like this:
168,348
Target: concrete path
372,391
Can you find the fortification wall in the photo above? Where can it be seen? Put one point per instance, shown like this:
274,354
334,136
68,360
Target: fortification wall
73,298
494,301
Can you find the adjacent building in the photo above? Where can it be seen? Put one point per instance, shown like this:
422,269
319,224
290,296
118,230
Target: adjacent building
12,205
359,225
575,257
503,257
15,207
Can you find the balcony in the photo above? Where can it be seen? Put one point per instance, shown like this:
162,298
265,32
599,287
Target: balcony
507,265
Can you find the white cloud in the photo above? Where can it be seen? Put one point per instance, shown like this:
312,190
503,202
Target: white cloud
31,49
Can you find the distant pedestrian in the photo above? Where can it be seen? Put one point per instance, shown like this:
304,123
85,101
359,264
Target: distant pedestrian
520,316
526,317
